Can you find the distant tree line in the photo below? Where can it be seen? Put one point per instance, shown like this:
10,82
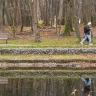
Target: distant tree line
29,12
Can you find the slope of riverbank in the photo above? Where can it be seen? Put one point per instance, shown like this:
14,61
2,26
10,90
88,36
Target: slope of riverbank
32,62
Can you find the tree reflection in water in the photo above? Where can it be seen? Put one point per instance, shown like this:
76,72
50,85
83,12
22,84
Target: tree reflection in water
46,87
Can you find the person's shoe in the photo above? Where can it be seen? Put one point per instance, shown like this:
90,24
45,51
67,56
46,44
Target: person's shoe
81,43
90,44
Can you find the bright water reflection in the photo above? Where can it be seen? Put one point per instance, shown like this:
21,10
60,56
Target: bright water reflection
45,87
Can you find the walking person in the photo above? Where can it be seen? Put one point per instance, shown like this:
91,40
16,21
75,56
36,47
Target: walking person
87,32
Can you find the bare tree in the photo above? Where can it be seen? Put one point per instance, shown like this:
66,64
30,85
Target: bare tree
38,10
67,18
76,22
1,10
22,14
60,15
35,22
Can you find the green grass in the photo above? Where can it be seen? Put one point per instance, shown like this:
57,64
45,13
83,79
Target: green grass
66,42
54,71
49,57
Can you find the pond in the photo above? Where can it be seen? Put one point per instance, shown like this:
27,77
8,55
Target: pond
54,86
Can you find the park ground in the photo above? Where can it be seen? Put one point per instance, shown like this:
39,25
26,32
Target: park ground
49,39
46,31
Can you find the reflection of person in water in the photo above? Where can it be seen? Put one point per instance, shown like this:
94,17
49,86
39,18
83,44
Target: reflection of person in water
87,83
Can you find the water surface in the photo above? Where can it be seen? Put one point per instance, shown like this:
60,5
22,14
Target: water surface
44,87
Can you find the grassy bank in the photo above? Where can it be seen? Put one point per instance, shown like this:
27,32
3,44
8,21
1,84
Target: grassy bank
66,42
49,57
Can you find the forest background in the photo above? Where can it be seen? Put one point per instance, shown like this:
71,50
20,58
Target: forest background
33,19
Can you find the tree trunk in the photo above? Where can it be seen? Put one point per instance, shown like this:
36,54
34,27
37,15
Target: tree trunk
22,15
46,13
60,16
1,21
13,18
31,17
35,24
76,23
3,12
8,12
38,10
67,28
51,12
